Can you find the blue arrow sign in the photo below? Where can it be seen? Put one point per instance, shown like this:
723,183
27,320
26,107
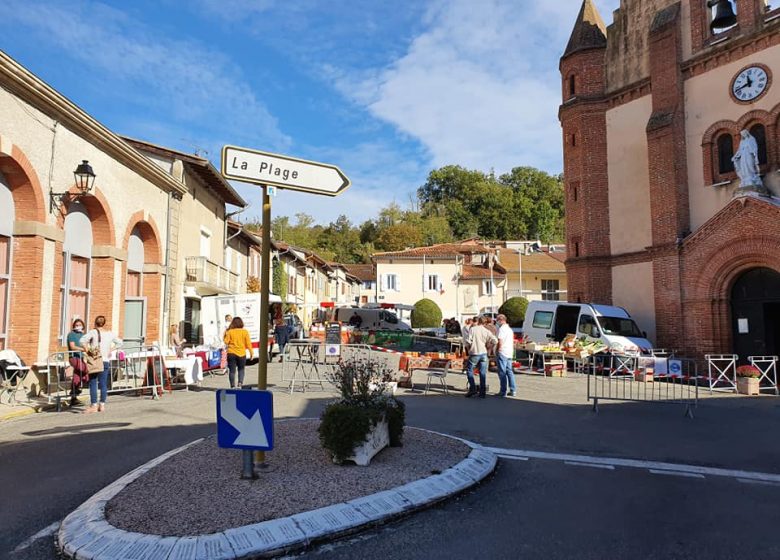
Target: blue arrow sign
245,419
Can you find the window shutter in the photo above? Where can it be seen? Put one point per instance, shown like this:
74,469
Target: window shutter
397,283
382,282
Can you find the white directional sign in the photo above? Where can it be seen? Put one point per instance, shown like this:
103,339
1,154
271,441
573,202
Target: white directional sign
245,419
285,172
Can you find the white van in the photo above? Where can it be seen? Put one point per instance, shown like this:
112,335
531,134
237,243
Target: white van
247,306
374,319
553,320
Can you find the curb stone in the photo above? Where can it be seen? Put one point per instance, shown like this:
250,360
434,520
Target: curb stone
85,534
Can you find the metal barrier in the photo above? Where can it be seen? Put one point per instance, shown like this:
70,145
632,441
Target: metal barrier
767,365
677,385
721,368
307,361
132,368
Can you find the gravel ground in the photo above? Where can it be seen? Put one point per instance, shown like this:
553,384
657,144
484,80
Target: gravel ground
199,490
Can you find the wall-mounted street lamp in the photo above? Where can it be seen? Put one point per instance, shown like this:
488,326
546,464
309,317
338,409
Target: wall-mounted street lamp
85,181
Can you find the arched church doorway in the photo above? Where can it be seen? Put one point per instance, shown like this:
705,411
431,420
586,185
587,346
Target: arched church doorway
755,312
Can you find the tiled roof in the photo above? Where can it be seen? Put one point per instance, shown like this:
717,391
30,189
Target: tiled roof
535,262
473,272
366,272
439,250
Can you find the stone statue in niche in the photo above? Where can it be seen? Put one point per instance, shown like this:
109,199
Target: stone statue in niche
746,165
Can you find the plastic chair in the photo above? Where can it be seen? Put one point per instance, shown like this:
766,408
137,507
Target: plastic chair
439,373
13,372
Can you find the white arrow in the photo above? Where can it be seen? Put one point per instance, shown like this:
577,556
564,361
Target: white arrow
251,431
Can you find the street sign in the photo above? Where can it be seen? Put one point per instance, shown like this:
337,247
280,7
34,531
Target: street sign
285,172
245,419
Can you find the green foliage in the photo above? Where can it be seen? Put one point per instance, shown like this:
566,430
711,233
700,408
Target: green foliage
279,280
344,426
454,203
514,309
426,314
364,402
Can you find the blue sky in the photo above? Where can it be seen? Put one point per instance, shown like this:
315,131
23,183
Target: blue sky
385,90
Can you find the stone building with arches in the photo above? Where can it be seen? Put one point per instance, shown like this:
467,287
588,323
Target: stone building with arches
113,251
656,221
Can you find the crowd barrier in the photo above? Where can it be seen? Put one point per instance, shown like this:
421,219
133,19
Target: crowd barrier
132,368
722,372
612,377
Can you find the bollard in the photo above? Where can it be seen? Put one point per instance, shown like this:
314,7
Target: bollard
248,472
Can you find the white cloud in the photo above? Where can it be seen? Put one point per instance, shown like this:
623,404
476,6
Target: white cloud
479,87
184,80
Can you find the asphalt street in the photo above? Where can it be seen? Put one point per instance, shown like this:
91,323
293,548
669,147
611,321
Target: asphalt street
51,462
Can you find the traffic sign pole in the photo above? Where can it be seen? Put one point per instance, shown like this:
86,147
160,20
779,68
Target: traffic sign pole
265,289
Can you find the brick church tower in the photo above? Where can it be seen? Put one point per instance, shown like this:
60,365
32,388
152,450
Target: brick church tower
658,220
583,119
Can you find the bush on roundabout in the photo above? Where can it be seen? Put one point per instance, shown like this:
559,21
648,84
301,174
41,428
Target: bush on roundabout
426,315
364,402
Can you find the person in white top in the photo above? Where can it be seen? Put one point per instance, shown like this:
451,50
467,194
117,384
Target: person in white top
480,340
104,338
504,357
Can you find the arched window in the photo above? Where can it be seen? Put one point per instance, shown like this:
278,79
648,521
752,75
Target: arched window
572,86
725,144
76,267
135,265
759,133
6,236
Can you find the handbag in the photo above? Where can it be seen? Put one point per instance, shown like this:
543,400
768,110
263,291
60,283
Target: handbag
93,357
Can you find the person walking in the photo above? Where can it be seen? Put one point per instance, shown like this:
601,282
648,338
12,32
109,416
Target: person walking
281,333
505,353
480,340
238,343
104,339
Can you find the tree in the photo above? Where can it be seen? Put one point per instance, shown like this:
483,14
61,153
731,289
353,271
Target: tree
279,281
514,309
398,237
426,315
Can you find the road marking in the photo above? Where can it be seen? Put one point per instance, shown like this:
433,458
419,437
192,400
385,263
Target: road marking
764,482
592,465
638,464
45,532
514,457
677,473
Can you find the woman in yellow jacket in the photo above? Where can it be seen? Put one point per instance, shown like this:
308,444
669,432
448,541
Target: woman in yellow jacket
237,341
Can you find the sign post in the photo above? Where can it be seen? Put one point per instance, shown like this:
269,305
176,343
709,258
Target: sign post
270,170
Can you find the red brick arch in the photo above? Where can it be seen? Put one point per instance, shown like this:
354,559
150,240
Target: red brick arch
99,214
150,235
757,116
29,202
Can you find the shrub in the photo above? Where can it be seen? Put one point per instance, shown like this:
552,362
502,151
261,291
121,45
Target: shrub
364,401
514,309
426,315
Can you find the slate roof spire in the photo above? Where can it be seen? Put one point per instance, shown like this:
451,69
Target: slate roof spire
589,30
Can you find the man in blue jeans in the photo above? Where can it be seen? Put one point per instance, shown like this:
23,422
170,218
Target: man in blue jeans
480,339
504,357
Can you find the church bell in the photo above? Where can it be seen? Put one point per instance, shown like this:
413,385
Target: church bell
724,15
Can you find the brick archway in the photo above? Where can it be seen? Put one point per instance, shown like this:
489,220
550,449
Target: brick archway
150,235
99,214
25,186
724,249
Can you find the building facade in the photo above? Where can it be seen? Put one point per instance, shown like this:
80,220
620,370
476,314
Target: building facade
656,219
458,277
533,271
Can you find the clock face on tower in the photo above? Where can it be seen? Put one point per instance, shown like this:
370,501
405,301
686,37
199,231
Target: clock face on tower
750,84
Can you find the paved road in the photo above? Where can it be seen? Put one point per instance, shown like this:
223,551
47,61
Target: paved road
534,507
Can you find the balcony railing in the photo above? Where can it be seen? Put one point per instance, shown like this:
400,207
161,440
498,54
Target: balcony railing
202,271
